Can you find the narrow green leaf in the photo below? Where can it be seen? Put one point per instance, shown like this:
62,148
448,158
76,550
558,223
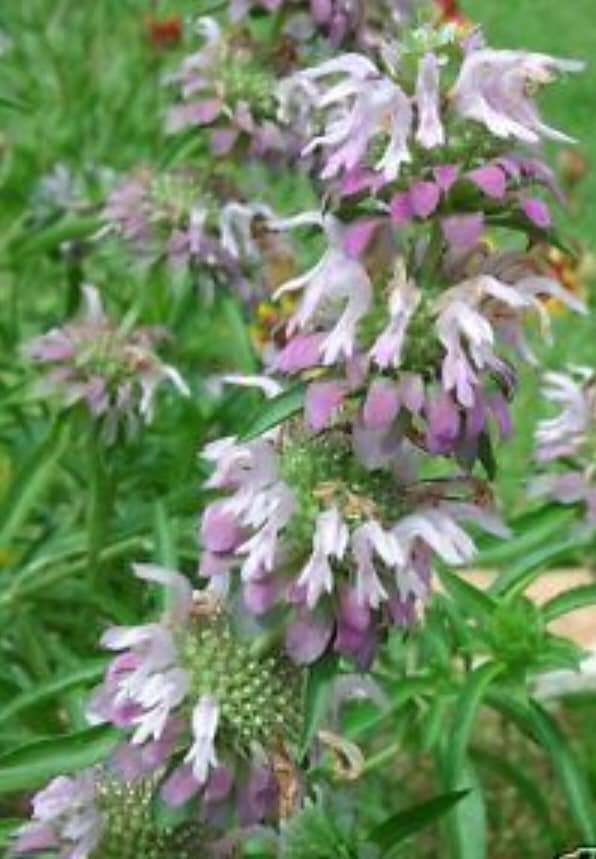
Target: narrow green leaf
32,765
316,699
31,481
568,601
530,530
165,541
518,577
13,103
406,688
275,411
466,710
244,354
572,778
7,828
99,497
402,825
486,455
67,229
476,603
54,688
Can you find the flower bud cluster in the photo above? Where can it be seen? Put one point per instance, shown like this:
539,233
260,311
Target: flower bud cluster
113,371
226,87
196,223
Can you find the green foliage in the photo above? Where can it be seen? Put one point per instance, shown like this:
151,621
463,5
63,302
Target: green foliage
320,831
33,765
81,86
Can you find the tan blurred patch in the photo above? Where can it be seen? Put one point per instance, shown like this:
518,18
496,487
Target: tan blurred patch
580,625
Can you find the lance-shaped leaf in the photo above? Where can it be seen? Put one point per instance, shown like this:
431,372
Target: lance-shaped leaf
34,764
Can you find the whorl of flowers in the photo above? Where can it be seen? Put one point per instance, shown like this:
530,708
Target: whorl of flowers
346,549
384,115
98,814
200,703
567,442
187,219
113,371
226,86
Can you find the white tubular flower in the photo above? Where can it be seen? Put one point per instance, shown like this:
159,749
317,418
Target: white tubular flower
565,434
404,299
202,755
336,279
367,540
67,819
494,89
330,541
235,225
467,334
438,531
159,697
430,131
358,103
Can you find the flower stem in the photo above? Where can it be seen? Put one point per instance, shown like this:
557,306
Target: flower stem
100,501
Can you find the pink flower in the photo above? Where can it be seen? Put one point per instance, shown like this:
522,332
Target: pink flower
308,636
361,106
381,405
493,86
115,372
300,353
462,232
424,198
337,278
491,180
445,175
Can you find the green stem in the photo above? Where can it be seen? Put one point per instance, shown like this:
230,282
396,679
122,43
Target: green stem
277,25
432,258
268,641
384,756
100,501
